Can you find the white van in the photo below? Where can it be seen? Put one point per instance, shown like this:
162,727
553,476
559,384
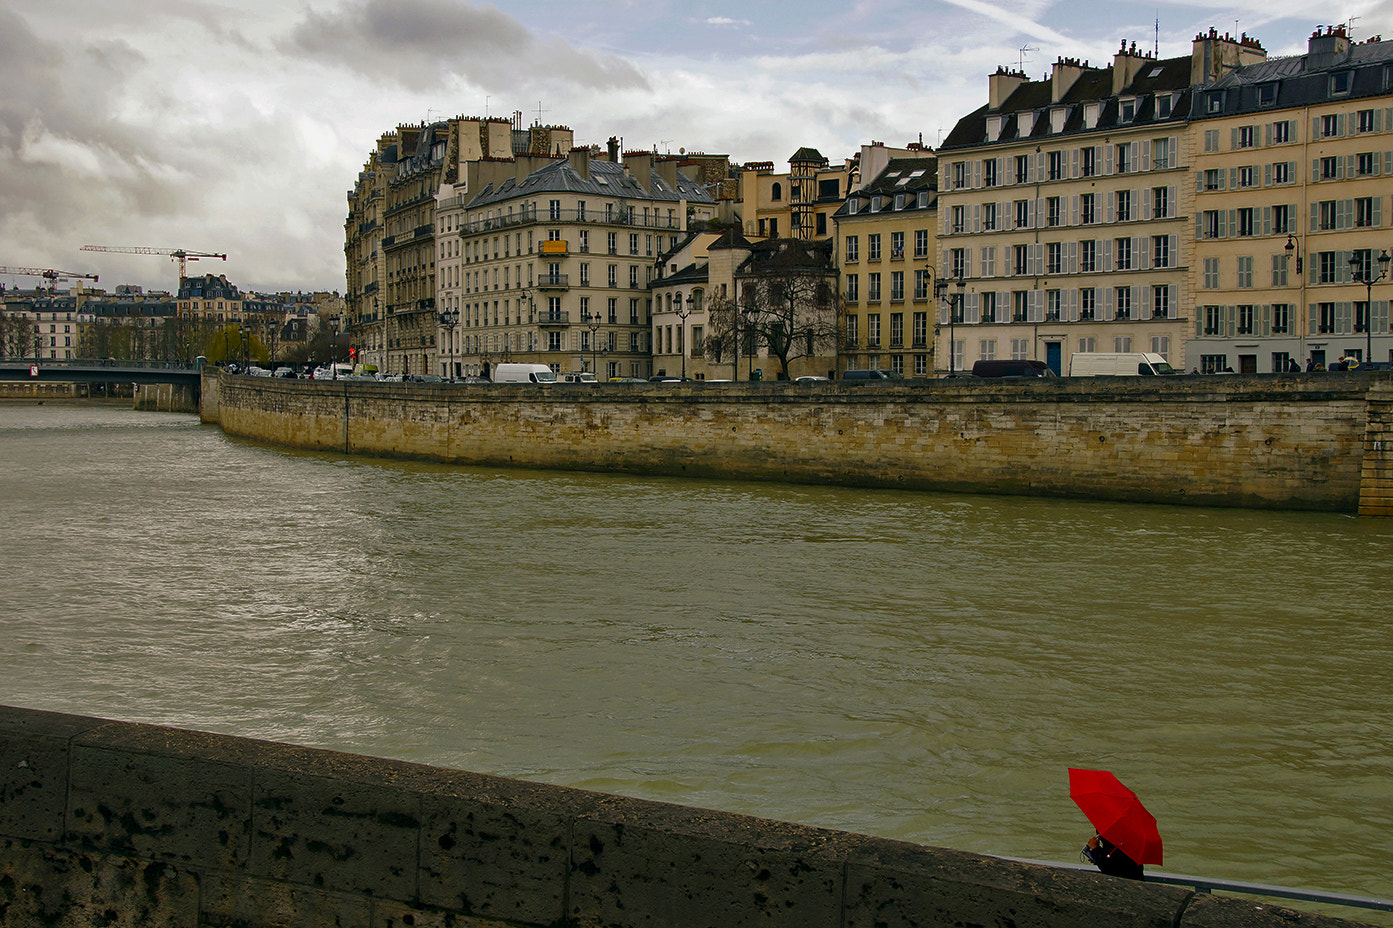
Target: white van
577,377
523,373
1118,364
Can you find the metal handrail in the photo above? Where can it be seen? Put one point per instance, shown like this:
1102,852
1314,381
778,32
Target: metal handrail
1204,884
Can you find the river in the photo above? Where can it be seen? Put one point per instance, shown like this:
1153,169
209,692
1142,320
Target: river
911,665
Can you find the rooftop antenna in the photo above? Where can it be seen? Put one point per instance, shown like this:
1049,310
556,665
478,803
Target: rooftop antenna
487,98
540,111
1349,27
1023,50
1156,53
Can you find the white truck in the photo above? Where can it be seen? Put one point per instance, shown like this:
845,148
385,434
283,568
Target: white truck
1118,364
523,373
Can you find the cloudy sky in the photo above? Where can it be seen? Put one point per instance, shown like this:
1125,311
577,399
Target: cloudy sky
239,127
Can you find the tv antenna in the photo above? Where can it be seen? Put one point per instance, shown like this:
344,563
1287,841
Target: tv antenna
1024,49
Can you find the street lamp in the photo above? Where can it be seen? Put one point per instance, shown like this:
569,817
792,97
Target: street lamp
449,318
749,313
592,322
1364,274
954,301
683,311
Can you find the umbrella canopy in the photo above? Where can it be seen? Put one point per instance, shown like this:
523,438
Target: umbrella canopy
1117,813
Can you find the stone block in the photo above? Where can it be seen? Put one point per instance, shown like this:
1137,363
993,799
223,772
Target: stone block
340,834
250,903
669,867
34,771
43,886
1207,911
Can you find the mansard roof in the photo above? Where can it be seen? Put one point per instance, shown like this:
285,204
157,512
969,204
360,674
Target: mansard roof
607,179
908,176
1094,85
1300,80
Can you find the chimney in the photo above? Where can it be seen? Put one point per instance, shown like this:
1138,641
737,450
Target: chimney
667,170
613,149
1215,55
1326,48
640,165
1062,77
580,161
1002,84
1126,65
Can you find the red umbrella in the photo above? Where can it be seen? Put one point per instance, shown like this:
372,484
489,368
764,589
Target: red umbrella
1117,813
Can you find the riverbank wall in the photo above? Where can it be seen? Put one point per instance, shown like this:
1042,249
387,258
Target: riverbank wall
1317,442
119,824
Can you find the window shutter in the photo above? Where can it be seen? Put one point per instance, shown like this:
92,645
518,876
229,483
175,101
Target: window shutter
1340,125
1111,207
977,217
1233,137
1199,226
1074,163
1315,128
1265,321
1344,318
1315,220
1145,162
1267,134
1105,260
1172,147
1199,182
1378,317
1231,321
1388,162
1224,222
1267,220
1146,206
1378,209
1267,175
1107,159
1173,249
1074,210
1315,170
1233,178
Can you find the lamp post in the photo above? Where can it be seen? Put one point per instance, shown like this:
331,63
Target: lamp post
954,301
749,313
1293,247
683,311
592,322
1362,264
449,318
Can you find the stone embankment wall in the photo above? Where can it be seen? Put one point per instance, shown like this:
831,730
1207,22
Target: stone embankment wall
1292,442
123,825
165,397
41,390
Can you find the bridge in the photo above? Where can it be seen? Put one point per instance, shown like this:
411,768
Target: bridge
93,371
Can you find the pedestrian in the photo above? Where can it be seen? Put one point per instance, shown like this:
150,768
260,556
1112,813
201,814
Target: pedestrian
1110,859
1310,365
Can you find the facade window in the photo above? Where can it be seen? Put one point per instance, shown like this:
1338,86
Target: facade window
1364,212
1364,163
1160,154
897,286
1245,272
1122,297
1088,162
1163,106
1122,343
1281,132
853,248
921,284
1366,120
1160,202
1329,126
989,172
1329,168
1053,261
1245,219
1326,314
1122,254
1213,320
1020,260
921,243
897,330
986,349
1281,172
873,330
1213,223
1247,177
1088,256
1087,344
1328,214
853,334
957,220
1052,208
959,175
1124,205
873,247
921,330
987,305
1056,165
853,288
873,288
1123,158
988,217
1340,82
896,245
1087,302
1053,305
1211,140
1022,214
1160,251
1022,169
1161,301
553,211
1281,219
1327,267
1211,274
1267,95
1020,305
1088,208
1213,179
1246,137
957,264
1281,318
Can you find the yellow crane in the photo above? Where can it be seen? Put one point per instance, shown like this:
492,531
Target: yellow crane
178,254
47,273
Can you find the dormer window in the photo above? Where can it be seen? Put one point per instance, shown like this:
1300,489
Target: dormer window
994,128
1163,105
1090,115
1057,116
1267,95
1340,83
1127,109
1214,101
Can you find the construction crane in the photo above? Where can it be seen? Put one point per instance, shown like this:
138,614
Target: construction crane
178,254
47,273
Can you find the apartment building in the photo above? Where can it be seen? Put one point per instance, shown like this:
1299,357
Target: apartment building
796,204
1292,209
1063,206
557,261
886,249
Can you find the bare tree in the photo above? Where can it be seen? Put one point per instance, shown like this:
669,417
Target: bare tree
788,299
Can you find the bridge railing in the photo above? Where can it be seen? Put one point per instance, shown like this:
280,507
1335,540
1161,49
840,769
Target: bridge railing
1204,884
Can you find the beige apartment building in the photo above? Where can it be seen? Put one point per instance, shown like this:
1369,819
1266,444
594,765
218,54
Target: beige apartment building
886,250
1063,206
1292,207
556,262
796,204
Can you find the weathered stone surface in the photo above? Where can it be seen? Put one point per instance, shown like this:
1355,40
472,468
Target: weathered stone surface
1207,911
41,885
1295,441
34,770
239,902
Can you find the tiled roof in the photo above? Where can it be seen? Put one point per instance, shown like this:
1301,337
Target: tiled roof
607,179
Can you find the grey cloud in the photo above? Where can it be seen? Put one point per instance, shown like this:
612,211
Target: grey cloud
417,42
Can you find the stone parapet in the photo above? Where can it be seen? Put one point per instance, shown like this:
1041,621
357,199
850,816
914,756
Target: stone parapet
119,824
1283,442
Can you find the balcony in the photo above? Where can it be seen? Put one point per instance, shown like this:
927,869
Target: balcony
554,282
554,320
554,247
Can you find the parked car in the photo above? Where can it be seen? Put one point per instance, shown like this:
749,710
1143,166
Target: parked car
862,376
284,372
1011,368
809,378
